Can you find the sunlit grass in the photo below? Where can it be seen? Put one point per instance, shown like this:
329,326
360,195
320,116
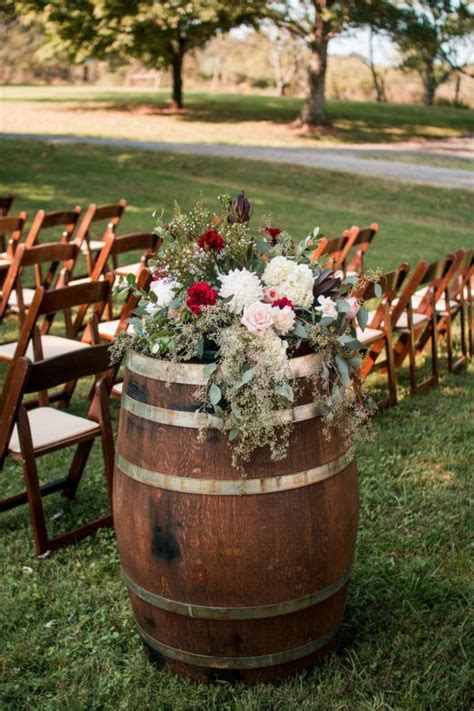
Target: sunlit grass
223,118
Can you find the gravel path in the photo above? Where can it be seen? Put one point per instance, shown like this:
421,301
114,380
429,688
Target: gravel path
344,159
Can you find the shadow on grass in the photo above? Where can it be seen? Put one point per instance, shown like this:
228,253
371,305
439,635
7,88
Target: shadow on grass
351,121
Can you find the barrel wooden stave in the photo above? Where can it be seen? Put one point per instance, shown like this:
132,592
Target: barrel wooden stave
233,552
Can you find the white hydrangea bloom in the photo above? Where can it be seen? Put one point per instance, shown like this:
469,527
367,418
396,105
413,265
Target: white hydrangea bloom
278,270
165,292
242,286
295,281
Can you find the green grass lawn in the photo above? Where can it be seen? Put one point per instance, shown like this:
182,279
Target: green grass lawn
225,118
68,638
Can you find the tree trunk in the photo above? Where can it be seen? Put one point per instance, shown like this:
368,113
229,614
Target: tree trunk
177,65
429,83
314,108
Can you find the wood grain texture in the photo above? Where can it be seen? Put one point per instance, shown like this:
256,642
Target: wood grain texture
231,551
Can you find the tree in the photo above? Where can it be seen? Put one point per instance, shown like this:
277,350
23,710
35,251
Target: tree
319,21
377,74
158,33
432,36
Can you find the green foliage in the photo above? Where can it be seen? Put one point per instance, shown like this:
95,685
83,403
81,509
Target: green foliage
433,36
158,33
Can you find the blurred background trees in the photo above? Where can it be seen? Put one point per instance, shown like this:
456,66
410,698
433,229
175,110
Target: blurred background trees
280,47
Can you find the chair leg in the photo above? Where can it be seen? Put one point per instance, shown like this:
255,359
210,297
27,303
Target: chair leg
77,467
107,439
434,348
33,490
391,374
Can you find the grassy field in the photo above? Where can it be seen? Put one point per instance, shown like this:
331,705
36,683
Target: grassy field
217,118
68,638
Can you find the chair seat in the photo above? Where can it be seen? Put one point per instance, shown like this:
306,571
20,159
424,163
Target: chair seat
368,335
83,280
127,269
4,264
419,295
108,329
50,426
28,295
349,273
402,323
95,245
117,389
52,346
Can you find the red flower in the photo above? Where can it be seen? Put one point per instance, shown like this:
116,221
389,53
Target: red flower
199,295
281,303
211,239
272,232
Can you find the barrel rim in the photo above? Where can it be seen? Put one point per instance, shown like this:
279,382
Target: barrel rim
194,373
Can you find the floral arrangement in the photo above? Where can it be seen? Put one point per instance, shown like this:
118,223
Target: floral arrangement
246,302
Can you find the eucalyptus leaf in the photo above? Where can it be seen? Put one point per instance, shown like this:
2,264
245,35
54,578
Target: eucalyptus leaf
209,368
343,369
215,394
300,330
362,317
357,360
377,290
285,390
175,303
353,279
342,307
233,434
246,377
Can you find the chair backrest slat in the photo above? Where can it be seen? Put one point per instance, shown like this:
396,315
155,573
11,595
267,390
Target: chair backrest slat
47,374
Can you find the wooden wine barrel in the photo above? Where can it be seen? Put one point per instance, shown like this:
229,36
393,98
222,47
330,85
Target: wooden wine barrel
229,577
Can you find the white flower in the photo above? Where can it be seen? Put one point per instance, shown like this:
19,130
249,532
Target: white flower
242,286
258,317
283,319
295,281
165,293
278,270
327,307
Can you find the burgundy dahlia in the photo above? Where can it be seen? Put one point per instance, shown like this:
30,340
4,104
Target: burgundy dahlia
281,303
199,295
211,240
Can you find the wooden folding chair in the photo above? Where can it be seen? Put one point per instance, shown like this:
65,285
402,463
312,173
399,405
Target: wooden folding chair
416,319
456,302
363,237
144,242
35,340
377,336
332,251
67,219
17,298
109,330
26,435
11,228
6,202
90,246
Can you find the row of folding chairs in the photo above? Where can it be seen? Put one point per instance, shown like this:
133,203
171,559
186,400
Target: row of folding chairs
88,232
412,310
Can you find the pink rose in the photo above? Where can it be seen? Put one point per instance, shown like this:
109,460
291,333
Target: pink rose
354,307
257,318
271,294
283,319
